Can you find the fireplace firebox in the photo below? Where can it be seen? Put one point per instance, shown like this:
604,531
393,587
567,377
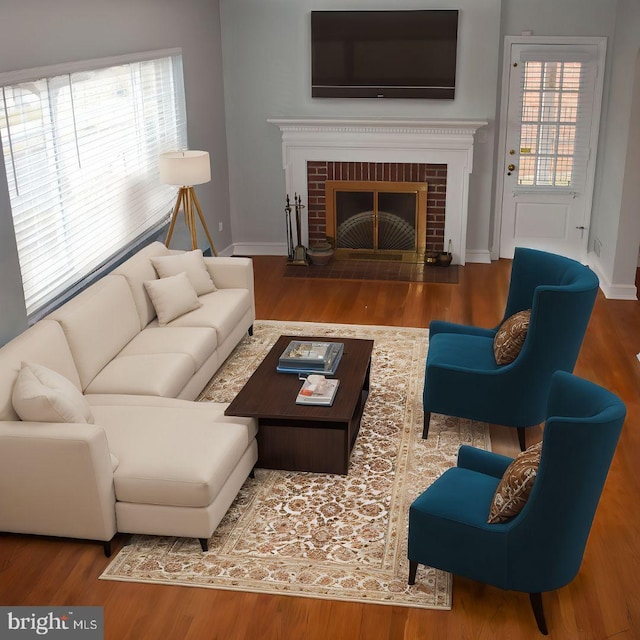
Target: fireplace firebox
368,220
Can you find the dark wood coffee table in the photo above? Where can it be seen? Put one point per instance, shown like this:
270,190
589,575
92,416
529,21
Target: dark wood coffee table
296,437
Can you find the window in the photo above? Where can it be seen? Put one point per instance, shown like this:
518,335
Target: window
554,131
80,149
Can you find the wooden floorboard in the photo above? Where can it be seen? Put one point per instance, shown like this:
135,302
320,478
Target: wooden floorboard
602,602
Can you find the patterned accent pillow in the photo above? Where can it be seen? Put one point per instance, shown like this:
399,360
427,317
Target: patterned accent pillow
510,337
515,486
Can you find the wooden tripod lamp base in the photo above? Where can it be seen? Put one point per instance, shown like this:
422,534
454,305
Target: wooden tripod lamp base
188,200
186,168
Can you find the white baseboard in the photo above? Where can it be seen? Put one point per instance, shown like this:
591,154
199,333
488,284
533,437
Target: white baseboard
260,249
226,252
610,290
478,255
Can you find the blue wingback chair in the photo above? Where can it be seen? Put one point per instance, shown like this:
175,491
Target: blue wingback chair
541,548
462,378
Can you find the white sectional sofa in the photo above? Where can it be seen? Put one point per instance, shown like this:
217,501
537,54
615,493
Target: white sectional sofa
118,444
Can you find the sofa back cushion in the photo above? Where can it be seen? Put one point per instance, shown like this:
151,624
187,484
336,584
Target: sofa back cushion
45,344
98,323
137,270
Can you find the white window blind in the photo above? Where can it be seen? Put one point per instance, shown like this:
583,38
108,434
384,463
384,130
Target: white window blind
81,155
555,122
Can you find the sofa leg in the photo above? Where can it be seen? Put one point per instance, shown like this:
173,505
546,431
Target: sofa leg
538,612
106,545
413,570
425,425
251,330
522,438
252,473
204,543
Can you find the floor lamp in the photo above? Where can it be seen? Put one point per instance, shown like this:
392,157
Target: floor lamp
185,169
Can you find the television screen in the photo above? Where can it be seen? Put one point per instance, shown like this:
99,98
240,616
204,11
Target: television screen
384,54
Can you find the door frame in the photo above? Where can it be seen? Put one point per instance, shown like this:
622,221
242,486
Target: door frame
601,43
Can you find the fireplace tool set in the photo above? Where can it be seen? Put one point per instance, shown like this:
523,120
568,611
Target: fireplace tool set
295,254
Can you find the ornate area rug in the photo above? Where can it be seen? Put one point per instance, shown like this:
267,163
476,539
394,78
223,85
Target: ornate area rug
321,535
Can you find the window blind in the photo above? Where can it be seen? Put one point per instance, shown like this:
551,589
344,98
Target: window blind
555,119
81,155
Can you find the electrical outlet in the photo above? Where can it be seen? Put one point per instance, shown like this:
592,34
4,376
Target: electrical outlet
597,246
219,226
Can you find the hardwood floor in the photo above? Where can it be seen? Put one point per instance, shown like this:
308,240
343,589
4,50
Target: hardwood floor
602,602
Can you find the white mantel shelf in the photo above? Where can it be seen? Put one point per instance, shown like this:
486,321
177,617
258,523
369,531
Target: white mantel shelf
391,125
447,142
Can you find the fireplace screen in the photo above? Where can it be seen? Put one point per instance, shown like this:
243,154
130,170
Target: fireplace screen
377,220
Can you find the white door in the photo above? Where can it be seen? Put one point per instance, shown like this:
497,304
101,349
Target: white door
550,136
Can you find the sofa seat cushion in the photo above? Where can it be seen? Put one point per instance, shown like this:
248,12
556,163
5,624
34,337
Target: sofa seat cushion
171,456
156,374
199,343
222,310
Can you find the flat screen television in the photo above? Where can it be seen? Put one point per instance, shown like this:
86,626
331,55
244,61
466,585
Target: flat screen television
384,54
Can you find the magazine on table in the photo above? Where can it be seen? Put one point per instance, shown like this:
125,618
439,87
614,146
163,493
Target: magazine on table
318,390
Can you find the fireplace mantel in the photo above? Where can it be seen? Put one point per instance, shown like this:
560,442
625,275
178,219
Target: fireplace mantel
447,142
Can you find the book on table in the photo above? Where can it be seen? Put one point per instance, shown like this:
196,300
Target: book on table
308,393
302,356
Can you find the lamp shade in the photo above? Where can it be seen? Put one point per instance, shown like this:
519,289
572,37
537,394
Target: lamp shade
185,168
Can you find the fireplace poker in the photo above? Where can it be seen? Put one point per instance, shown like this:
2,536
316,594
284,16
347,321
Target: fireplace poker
289,233
300,253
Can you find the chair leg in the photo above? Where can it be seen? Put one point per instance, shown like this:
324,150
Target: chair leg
425,424
538,612
413,569
522,438
204,543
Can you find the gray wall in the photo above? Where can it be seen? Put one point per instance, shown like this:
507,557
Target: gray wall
266,53
616,220
36,33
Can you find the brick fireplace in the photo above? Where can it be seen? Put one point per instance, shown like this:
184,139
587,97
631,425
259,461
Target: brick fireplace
434,175
439,152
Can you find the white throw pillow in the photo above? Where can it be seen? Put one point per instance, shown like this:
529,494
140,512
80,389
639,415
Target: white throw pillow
192,263
172,297
43,395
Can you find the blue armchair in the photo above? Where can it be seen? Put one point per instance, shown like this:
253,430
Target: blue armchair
462,378
541,548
